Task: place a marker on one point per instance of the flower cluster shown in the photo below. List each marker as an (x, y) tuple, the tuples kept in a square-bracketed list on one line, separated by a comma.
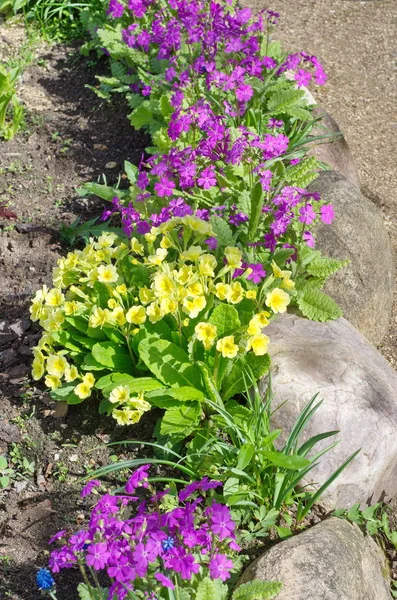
[(163, 541), (112, 295)]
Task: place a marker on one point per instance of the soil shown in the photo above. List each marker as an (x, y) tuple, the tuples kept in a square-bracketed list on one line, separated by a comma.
[(72, 136)]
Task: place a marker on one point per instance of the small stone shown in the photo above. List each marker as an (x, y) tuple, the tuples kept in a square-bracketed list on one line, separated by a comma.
[(100, 147), (61, 410), (20, 326), (74, 458), (111, 165)]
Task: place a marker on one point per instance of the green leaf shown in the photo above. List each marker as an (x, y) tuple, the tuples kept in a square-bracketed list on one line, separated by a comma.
[(180, 421), (282, 101), (222, 231), (169, 363), (237, 381), (97, 189), (182, 394), (211, 589), (317, 306), (257, 590), (112, 356), (131, 171), (3, 463), (324, 266), (245, 455), (141, 116), (257, 198), (62, 393), (286, 461), (226, 320)]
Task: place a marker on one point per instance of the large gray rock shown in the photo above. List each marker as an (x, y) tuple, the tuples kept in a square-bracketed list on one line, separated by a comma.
[(364, 289), (336, 153), (359, 389), (331, 561)]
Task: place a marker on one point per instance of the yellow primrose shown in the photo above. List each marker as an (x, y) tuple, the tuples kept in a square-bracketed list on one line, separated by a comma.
[(206, 265), (136, 315), (251, 294), (89, 379), (262, 318), (54, 297), (119, 394), (107, 274), (54, 322), (254, 327), (136, 246), (37, 369), (197, 225), (56, 365), (277, 300), (121, 289), (192, 254), (165, 242), (258, 344), (45, 340), (146, 295), (92, 275), (227, 347), (206, 333), (222, 290), (233, 256), (193, 307), (139, 403), (168, 305), (52, 382), (119, 316), (127, 416), (70, 308), (181, 293), (71, 373), (163, 284), (83, 390), (184, 275), (287, 283), (71, 260), (112, 303), (277, 272), (36, 311), (152, 235), (154, 312), (235, 293), (195, 289), (158, 257), (105, 240), (100, 317)]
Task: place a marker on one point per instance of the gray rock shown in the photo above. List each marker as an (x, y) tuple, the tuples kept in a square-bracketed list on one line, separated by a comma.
[(359, 389), (20, 326), (335, 153), (331, 561), (364, 289)]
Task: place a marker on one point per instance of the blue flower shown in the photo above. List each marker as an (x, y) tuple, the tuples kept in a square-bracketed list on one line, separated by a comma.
[(44, 579), (168, 544)]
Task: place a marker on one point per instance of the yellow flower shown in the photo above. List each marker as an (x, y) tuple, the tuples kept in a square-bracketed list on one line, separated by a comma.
[(107, 274), (70, 308), (45, 340), (277, 272), (151, 236), (185, 322), (52, 382), (262, 318), (136, 315), (251, 294), (54, 297), (100, 317), (154, 312), (192, 254), (165, 242), (277, 300), (194, 306), (287, 283), (235, 293), (222, 290), (258, 344), (254, 327), (227, 347), (146, 295), (121, 289), (158, 257), (181, 293), (184, 275), (71, 260), (206, 265), (112, 303), (137, 247), (71, 373), (36, 310), (54, 322), (37, 369), (127, 416), (162, 284), (206, 333), (195, 289), (83, 390), (119, 394), (139, 403), (89, 379), (233, 257), (56, 365), (119, 316), (197, 225), (105, 240), (168, 305)]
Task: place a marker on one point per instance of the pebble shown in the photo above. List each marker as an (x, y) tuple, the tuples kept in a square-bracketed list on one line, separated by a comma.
[(111, 165)]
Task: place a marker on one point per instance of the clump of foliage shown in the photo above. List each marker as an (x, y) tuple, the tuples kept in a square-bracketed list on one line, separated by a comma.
[(11, 111), (171, 546)]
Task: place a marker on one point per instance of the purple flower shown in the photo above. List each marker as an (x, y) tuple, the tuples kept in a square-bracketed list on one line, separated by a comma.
[(141, 474), (309, 239), (165, 581), (182, 563), (87, 489), (57, 536), (142, 180), (220, 566), (244, 92), (209, 484), (207, 178), (274, 123), (221, 522), (115, 9), (212, 243), (327, 214), (307, 214), (97, 555), (257, 274), (164, 187), (188, 490), (302, 77)]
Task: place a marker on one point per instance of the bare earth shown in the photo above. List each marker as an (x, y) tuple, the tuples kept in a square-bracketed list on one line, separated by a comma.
[(356, 42)]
